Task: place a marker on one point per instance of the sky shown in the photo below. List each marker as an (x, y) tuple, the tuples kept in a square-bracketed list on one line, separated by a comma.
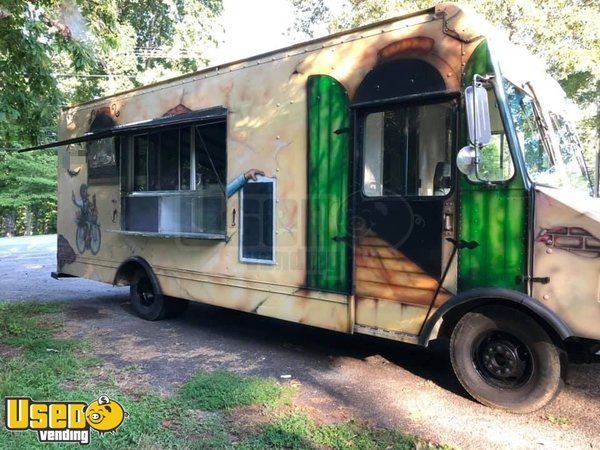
[(256, 26), (253, 26)]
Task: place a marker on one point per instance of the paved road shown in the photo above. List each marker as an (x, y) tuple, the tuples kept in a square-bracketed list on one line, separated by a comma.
[(340, 376), (25, 267)]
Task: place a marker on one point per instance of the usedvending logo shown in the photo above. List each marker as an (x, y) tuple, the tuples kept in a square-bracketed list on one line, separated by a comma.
[(63, 421)]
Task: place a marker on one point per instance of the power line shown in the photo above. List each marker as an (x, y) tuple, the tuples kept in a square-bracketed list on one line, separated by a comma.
[(76, 75)]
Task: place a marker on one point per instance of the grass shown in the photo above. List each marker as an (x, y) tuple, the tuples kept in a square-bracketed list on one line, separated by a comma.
[(225, 390), (561, 421), (212, 411), (297, 430)]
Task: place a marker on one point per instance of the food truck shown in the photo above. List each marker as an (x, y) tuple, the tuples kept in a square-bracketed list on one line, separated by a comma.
[(414, 179)]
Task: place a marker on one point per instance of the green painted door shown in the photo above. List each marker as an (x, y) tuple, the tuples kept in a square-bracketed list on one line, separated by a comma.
[(493, 216), (328, 176)]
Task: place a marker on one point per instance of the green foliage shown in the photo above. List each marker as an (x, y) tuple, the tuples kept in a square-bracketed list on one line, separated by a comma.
[(496, 162), (33, 37), (157, 26), (41, 362), (54, 52), (221, 389), (27, 192), (296, 430), (291, 431), (157, 40), (18, 320)]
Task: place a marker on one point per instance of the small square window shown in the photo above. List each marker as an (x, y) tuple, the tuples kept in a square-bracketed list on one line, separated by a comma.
[(102, 160), (257, 223)]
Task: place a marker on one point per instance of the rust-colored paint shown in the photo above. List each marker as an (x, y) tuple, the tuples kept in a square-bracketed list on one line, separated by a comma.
[(65, 253), (409, 47), (102, 118), (176, 110)]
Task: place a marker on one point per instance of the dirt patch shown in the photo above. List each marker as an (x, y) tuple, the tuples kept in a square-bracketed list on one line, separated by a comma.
[(8, 350), (133, 379), (83, 312), (324, 409), (249, 418)]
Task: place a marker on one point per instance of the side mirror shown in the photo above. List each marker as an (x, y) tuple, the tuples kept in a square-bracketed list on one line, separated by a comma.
[(478, 115), (466, 161)]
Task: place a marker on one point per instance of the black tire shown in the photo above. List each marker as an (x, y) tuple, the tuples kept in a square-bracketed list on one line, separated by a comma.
[(506, 360), (146, 301)]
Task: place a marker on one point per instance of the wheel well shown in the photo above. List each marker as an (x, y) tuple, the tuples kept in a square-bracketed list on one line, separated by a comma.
[(451, 318), (131, 270)]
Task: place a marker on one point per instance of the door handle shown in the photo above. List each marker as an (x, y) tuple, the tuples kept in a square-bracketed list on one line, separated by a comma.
[(346, 239), (448, 222)]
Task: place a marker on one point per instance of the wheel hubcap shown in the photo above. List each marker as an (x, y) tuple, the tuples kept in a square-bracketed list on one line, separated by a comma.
[(503, 360), (144, 289)]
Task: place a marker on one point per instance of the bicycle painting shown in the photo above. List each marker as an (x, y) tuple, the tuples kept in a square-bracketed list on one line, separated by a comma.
[(88, 234)]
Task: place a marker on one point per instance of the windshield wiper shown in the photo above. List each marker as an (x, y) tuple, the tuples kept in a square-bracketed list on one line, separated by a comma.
[(542, 125)]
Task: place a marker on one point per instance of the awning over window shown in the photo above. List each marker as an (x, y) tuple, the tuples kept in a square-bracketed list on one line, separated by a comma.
[(205, 115)]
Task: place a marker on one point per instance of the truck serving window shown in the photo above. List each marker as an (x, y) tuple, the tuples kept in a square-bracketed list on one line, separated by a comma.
[(172, 181), (407, 151)]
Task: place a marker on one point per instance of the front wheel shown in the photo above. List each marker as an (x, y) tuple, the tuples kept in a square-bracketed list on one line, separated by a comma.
[(506, 360)]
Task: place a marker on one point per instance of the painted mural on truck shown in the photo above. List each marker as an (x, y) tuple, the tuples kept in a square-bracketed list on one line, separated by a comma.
[(87, 235), (294, 126)]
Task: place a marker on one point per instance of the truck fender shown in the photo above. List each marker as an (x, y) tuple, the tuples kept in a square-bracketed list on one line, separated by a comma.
[(126, 272), (466, 301)]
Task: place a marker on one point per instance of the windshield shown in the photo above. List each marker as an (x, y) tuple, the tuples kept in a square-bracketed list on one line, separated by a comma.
[(570, 151), (551, 152)]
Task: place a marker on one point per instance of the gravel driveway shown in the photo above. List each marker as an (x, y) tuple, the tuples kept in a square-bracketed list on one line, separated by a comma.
[(340, 376)]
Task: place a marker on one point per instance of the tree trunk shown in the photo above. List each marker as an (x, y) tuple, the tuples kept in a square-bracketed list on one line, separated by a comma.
[(28, 222), (598, 139), (9, 221)]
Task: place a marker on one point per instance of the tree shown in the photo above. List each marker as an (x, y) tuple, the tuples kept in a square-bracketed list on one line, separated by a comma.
[(55, 52), (33, 35), (157, 40), (27, 192)]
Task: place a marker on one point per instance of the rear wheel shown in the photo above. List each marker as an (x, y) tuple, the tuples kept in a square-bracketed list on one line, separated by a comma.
[(506, 360), (95, 238), (146, 301)]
